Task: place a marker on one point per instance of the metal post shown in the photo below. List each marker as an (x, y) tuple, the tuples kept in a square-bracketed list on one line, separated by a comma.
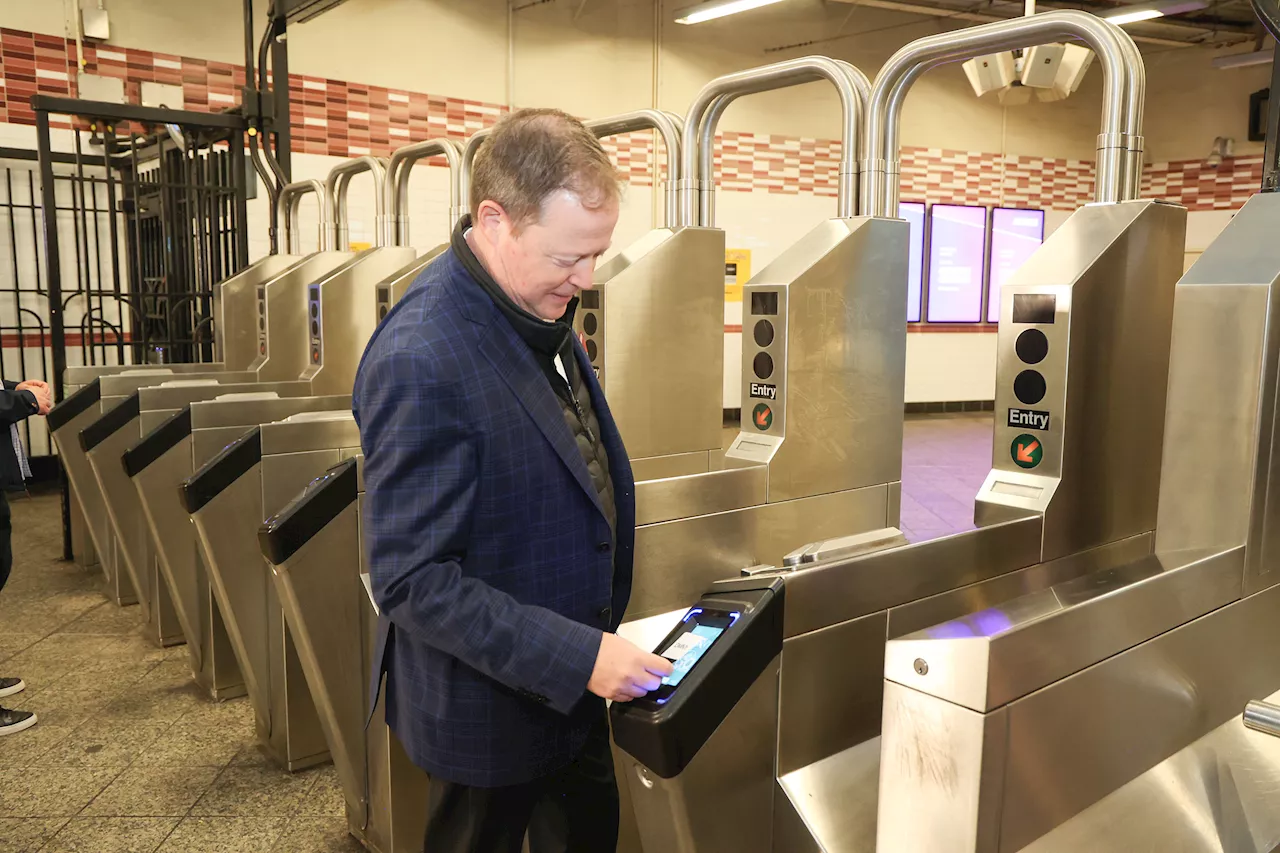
[(280, 99)]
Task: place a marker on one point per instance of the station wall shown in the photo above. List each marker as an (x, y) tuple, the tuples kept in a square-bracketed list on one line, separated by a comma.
[(374, 74)]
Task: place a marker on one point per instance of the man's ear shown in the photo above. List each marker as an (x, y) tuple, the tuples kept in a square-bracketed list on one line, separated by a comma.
[(490, 218)]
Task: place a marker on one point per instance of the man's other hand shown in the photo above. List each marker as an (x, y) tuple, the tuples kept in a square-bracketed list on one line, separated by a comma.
[(624, 672), (44, 397)]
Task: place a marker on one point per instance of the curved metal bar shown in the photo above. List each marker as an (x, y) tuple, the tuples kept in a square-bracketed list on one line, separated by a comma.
[(668, 127), (398, 171), (468, 164), (700, 123), (1124, 84), (337, 185), (288, 205)]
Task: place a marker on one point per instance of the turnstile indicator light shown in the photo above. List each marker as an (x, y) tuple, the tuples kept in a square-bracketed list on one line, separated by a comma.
[(763, 333), (763, 365), (590, 299), (762, 416), (592, 350), (1027, 451), (590, 324), (1032, 346), (764, 303), (1034, 307), (1029, 387)]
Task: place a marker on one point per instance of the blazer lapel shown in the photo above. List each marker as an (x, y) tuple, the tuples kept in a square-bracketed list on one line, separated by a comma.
[(515, 363)]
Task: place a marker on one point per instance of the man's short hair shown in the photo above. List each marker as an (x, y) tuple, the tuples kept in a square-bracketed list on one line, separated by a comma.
[(534, 153)]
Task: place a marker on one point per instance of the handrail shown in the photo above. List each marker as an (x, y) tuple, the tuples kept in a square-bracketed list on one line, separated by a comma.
[(338, 183), (288, 204), (1124, 83), (668, 127), (703, 116), (665, 123), (398, 171)]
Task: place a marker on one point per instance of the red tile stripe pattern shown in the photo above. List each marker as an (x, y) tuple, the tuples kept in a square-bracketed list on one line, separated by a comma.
[(344, 119)]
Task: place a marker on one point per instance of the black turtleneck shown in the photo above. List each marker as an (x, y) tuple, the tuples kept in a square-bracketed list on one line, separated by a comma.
[(546, 338)]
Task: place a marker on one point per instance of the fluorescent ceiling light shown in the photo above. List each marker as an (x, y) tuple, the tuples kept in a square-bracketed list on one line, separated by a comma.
[(1147, 11), (718, 9), (1243, 60)]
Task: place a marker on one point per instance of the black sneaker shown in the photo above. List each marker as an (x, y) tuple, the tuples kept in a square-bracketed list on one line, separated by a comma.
[(10, 686), (12, 722)]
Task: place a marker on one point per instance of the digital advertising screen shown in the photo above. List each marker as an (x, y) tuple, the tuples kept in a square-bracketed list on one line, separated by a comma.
[(1015, 235), (913, 212), (957, 258)]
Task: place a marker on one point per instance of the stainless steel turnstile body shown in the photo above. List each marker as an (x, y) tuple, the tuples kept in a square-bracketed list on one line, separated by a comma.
[(1101, 714), (227, 499), (153, 471), (317, 563), (800, 750)]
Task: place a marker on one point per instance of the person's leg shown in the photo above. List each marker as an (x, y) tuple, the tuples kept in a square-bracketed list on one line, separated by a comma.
[(579, 813), (465, 819), (10, 721), (6, 540)]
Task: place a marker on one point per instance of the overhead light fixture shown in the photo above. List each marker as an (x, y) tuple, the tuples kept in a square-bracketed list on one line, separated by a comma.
[(1147, 11), (718, 9), (1244, 60)]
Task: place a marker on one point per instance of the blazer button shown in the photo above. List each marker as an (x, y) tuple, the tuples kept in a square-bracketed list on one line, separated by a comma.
[(606, 615), (604, 547)]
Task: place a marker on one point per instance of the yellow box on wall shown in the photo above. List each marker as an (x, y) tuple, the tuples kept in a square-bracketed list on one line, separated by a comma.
[(737, 272)]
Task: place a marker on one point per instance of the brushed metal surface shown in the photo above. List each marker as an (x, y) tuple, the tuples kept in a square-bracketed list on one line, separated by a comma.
[(1000, 654), (676, 561), (1105, 726), (675, 465), (670, 813), (1112, 269), (834, 802), (935, 609), (322, 598), (235, 310), (831, 593), (830, 693), (700, 494), (667, 286), (346, 316), (283, 342), (1216, 795), (840, 358), (337, 430)]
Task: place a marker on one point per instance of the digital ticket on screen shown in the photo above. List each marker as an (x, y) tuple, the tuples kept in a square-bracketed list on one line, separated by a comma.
[(957, 259), (913, 212), (1015, 236)]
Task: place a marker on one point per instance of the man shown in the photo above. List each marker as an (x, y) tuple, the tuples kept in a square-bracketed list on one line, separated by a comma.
[(500, 509), (18, 401)]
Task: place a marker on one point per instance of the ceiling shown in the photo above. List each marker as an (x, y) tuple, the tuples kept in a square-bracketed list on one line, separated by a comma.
[(1224, 22)]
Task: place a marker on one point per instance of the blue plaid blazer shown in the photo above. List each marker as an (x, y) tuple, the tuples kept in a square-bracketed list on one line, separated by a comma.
[(490, 556)]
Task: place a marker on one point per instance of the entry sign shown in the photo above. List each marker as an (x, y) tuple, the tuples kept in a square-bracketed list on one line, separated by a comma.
[(762, 417), (1027, 451)]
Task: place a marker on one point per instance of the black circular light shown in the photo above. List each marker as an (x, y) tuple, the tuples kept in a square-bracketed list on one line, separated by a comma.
[(763, 365), (763, 333), (1029, 387), (592, 350), (1032, 346), (590, 324)]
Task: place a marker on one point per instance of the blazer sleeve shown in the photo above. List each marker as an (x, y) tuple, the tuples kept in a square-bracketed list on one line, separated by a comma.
[(16, 405), (421, 468)]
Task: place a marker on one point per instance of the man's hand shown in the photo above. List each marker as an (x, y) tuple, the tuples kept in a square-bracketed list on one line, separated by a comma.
[(624, 672), (44, 397)]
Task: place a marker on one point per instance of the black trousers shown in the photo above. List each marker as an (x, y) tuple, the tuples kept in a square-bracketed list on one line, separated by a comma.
[(574, 810), (6, 540)]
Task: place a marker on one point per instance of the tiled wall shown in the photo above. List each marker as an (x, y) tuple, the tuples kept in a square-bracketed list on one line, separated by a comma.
[(342, 118)]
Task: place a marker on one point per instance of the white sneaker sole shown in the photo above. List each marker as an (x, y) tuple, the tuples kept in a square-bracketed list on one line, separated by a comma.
[(17, 688), (18, 727)]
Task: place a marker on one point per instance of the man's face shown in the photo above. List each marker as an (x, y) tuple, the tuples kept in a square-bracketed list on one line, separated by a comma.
[(543, 265)]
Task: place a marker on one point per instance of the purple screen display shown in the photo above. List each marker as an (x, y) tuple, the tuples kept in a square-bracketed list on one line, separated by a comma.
[(1015, 235), (957, 256), (913, 212)]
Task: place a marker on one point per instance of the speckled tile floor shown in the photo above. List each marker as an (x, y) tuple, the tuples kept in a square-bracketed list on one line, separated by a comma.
[(128, 757)]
